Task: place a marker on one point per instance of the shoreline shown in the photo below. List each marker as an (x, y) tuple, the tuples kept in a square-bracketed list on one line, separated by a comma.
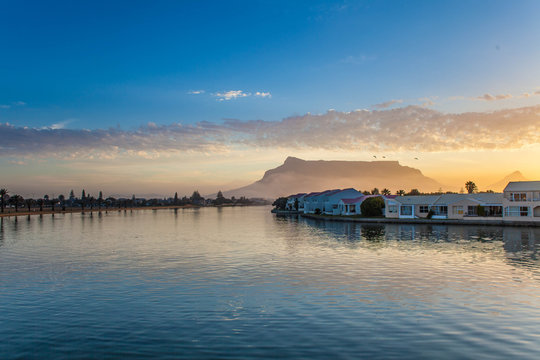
[(422, 221), (33, 212)]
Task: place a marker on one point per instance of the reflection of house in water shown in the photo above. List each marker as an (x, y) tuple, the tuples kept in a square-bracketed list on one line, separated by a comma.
[(521, 239)]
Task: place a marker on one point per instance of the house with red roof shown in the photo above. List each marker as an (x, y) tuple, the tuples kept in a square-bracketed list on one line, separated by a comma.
[(331, 200)]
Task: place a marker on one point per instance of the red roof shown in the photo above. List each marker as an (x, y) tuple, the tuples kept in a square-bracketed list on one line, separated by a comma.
[(363, 197), (353, 200)]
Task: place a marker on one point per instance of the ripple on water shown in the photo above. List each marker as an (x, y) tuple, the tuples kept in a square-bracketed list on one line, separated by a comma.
[(242, 283)]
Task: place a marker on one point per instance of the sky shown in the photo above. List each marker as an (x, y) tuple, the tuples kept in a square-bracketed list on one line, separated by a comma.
[(139, 97)]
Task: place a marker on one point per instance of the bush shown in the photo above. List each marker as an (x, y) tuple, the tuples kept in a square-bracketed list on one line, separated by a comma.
[(317, 211), (372, 206), (280, 203), (430, 214)]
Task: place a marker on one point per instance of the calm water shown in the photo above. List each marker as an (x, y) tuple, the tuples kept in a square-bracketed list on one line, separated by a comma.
[(243, 283)]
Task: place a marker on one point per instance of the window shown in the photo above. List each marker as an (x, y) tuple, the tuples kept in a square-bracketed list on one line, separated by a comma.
[(516, 211), (334, 206), (472, 210), (424, 209), (493, 210), (518, 196), (406, 210), (458, 210), (440, 210), (392, 209)]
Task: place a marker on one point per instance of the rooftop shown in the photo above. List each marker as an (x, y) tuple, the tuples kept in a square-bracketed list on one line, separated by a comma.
[(523, 186)]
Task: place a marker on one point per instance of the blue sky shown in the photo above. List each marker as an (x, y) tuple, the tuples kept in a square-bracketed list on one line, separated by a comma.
[(98, 64), (160, 66)]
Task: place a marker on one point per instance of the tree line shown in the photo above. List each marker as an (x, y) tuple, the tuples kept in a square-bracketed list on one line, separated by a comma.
[(89, 202)]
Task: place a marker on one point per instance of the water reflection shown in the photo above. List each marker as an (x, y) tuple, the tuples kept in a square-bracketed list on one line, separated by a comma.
[(234, 282), (521, 244)]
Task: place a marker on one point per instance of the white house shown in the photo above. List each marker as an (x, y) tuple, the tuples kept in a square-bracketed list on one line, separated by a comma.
[(311, 201), (293, 199), (487, 206), (521, 201), (353, 206)]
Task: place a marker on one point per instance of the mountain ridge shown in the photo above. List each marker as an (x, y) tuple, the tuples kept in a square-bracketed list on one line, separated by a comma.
[(297, 175)]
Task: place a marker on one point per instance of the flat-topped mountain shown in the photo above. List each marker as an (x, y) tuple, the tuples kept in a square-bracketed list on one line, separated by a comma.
[(297, 175)]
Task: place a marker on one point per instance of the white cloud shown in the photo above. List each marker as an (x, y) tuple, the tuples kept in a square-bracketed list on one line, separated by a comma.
[(426, 101), (231, 94), (263, 94), (489, 97), (196, 92), (411, 128), (19, 103), (17, 162), (387, 104), (3, 106)]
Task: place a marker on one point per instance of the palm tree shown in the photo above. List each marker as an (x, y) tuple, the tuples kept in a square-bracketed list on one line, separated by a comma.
[(375, 191), (471, 187), (3, 194), (62, 200), (40, 203), (385, 191), (29, 203), (400, 192), (16, 200), (100, 200), (52, 201)]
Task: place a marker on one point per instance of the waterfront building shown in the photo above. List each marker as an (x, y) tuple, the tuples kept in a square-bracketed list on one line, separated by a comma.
[(521, 201), (291, 202), (482, 206), (352, 206), (332, 199)]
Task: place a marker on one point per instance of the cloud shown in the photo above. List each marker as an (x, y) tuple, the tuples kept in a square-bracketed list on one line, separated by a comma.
[(489, 97), (196, 92), (411, 128), (387, 104), (59, 142), (426, 102), (15, 103), (454, 98), (356, 60), (231, 94), (17, 162), (263, 94)]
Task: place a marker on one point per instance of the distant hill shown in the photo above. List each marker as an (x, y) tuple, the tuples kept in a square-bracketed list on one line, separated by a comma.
[(297, 175), (501, 184)]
